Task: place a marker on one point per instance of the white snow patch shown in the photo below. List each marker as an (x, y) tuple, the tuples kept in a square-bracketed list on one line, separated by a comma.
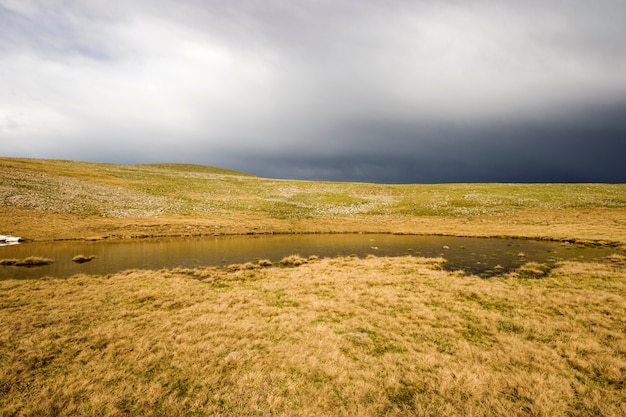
[(9, 240)]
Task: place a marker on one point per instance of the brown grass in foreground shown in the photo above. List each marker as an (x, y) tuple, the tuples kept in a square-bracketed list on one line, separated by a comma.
[(344, 336)]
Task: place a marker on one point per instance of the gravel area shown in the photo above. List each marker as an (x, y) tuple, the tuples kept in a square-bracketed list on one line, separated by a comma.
[(43, 192)]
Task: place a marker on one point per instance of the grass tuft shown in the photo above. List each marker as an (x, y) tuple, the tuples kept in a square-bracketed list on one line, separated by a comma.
[(265, 263), (293, 260), (617, 259), (82, 258), (533, 270), (27, 262), (242, 267)]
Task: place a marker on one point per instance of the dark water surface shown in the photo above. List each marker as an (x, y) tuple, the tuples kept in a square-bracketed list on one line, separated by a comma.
[(473, 255)]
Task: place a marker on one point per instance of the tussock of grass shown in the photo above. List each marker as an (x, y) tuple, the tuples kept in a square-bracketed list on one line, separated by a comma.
[(264, 263), (617, 259), (82, 258), (240, 267), (293, 260), (28, 262), (532, 270), (340, 336)]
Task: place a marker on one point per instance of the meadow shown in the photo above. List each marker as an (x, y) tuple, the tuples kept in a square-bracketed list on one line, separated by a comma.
[(50, 200), (330, 336)]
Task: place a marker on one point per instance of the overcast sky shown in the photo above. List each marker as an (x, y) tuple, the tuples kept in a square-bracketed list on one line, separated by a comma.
[(356, 90)]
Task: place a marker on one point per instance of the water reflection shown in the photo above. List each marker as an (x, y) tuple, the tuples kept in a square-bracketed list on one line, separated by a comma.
[(474, 255)]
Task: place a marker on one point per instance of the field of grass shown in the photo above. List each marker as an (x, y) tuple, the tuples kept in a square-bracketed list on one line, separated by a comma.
[(46, 200), (333, 336)]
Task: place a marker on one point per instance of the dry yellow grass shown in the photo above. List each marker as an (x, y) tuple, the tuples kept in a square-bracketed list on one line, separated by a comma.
[(343, 336)]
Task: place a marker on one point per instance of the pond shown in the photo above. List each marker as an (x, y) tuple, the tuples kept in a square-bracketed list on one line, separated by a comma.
[(473, 255)]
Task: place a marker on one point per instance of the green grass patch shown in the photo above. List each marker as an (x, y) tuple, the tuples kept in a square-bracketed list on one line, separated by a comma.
[(112, 190)]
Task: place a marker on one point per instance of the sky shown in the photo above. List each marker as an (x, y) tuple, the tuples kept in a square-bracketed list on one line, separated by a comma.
[(386, 91)]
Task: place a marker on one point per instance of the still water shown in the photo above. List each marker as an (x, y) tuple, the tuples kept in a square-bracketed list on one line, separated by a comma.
[(473, 255)]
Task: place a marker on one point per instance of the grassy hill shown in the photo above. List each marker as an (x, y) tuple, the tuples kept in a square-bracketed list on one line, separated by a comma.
[(46, 199)]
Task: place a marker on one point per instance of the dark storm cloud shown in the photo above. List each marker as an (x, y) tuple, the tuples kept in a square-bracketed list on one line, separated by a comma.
[(400, 91), (586, 145)]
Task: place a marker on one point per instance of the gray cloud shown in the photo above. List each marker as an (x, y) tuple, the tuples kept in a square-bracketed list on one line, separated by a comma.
[(587, 144), (360, 90)]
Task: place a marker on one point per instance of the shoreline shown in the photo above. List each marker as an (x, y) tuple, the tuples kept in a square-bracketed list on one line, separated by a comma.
[(601, 243), (600, 228)]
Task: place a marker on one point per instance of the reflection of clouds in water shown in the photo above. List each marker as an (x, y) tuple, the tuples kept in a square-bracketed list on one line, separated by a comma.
[(472, 255)]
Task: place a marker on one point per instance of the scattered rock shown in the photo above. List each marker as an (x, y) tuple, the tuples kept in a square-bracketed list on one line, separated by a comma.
[(234, 355)]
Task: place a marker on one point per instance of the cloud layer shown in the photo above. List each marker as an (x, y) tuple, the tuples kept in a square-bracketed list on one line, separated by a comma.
[(398, 91)]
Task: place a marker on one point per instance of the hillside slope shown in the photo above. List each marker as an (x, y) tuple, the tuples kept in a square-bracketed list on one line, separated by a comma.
[(46, 199)]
